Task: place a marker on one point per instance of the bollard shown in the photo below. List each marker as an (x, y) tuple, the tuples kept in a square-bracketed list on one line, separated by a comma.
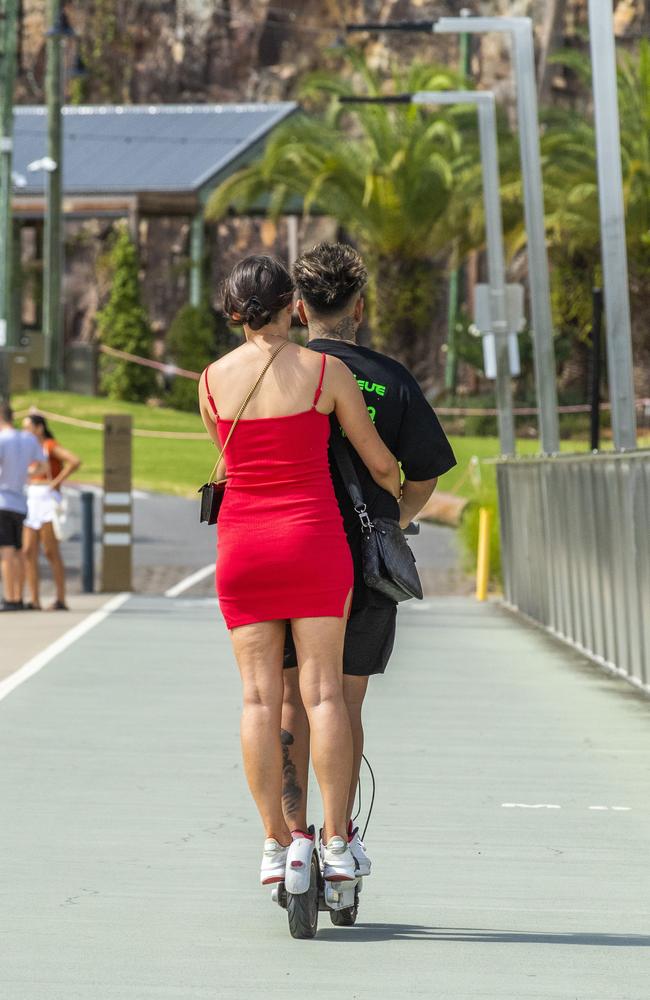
[(483, 560), (87, 542), (117, 512)]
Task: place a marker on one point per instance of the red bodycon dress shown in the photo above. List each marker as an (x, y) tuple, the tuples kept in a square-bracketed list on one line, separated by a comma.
[(282, 551)]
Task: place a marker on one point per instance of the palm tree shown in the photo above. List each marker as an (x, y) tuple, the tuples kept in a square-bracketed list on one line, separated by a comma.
[(388, 175)]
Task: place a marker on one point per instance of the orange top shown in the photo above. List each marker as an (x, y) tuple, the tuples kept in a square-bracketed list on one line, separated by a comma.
[(55, 465)]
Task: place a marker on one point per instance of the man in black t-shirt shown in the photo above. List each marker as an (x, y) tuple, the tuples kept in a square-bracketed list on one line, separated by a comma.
[(330, 280)]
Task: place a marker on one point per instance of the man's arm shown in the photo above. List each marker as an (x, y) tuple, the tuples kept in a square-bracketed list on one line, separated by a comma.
[(414, 497)]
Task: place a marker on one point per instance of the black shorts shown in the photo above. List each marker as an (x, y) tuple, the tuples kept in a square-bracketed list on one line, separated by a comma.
[(11, 529), (369, 640)]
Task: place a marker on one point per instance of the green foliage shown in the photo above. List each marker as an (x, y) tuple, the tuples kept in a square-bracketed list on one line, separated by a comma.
[(123, 325), (571, 190), (387, 173), (468, 533), (191, 344)]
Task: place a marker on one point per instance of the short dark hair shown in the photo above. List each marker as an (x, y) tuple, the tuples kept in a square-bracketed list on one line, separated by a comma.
[(6, 413), (256, 289), (329, 275)]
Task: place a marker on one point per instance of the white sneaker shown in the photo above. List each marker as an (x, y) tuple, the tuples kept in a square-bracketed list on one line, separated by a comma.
[(359, 853), (338, 863), (299, 855), (274, 862)]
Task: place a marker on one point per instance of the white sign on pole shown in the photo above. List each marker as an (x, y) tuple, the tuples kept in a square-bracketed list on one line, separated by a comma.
[(3, 332), (516, 319)]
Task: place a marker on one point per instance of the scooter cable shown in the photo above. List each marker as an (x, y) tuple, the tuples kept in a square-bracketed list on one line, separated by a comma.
[(372, 797)]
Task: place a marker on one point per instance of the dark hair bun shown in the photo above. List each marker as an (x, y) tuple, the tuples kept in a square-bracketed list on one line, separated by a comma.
[(257, 288), (254, 313)]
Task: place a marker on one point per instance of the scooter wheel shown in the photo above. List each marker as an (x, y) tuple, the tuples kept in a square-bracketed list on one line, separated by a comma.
[(347, 917), (302, 910)]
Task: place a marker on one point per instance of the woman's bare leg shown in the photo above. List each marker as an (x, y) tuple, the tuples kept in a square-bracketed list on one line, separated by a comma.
[(259, 651), (52, 552), (30, 564), (319, 645)]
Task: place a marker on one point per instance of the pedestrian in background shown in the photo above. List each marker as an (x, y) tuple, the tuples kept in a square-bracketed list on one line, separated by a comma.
[(43, 500), (19, 450)]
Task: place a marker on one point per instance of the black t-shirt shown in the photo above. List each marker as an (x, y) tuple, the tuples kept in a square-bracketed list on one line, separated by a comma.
[(407, 425)]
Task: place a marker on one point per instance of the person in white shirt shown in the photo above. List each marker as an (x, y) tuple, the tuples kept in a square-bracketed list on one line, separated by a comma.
[(19, 451)]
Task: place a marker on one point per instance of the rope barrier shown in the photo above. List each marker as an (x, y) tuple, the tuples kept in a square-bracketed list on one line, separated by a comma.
[(148, 363), (443, 411), (92, 426)]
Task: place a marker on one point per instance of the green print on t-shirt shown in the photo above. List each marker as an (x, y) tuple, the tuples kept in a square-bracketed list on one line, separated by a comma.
[(371, 386)]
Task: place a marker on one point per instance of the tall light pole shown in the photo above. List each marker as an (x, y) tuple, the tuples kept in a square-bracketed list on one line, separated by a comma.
[(485, 104), (612, 224), (487, 120), (521, 31), (58, 28), (8, 30)]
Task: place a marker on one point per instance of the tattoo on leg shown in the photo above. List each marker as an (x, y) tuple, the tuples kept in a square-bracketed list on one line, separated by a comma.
[(291, 790)]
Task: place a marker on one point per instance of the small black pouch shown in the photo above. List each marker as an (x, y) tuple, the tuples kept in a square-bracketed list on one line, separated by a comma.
[(212, 495)]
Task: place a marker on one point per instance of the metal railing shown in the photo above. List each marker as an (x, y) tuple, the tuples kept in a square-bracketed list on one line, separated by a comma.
[(575, 543)]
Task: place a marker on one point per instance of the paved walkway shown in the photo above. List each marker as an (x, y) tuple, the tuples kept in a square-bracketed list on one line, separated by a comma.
[(510, 835)]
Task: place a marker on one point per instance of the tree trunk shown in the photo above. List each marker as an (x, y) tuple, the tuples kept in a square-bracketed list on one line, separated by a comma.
[(404, 304)]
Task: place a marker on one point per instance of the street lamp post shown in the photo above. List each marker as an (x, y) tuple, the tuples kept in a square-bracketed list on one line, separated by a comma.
[(485, 104), (8, 29), (484, 101), (521, 31), (53, 248), (612, 225)]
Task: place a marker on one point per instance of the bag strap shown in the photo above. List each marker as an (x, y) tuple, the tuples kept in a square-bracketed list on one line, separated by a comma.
[(350, 479), (243, 406)]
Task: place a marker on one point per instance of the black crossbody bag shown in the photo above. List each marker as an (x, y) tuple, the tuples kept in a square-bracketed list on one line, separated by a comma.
[(388, 563)]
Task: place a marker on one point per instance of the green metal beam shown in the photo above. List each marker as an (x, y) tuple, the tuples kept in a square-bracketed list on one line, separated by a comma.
[(8, 33), (197, 258)]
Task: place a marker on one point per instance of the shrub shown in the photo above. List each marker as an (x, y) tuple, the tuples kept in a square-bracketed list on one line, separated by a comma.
[(123, 324), (468, 533), (192, 343)]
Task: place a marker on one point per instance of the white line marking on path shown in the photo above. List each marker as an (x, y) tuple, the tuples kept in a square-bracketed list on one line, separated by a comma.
[(41, 659), (548, 805), (526, 805), (189, 581)]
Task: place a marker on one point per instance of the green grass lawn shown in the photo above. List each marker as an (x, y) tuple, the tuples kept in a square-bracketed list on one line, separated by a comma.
[(180, 467), (162, 465)]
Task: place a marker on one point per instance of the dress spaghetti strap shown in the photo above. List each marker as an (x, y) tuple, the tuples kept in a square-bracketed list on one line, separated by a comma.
[(207, 389), (319, 388)]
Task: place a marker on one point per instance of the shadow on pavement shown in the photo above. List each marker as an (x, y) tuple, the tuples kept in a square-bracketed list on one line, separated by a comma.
[(417, 932)]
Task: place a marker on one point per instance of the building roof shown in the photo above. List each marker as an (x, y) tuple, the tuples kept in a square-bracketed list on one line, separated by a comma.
[(133, 149)]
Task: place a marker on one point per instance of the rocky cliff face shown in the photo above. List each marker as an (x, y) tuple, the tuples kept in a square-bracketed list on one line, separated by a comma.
[(140, 51), (182, 51)]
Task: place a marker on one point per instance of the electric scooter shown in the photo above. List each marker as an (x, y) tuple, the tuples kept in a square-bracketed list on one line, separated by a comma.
[(313, 894)]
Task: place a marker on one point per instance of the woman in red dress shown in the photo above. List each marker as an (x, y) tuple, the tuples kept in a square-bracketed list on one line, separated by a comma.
[(282, 551)]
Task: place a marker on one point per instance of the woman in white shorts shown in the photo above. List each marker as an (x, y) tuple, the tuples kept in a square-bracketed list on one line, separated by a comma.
[(43, 499)]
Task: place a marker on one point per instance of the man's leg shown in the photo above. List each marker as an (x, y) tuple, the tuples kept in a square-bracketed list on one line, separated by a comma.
[(10, 573), (354, 692), (295, 753)]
